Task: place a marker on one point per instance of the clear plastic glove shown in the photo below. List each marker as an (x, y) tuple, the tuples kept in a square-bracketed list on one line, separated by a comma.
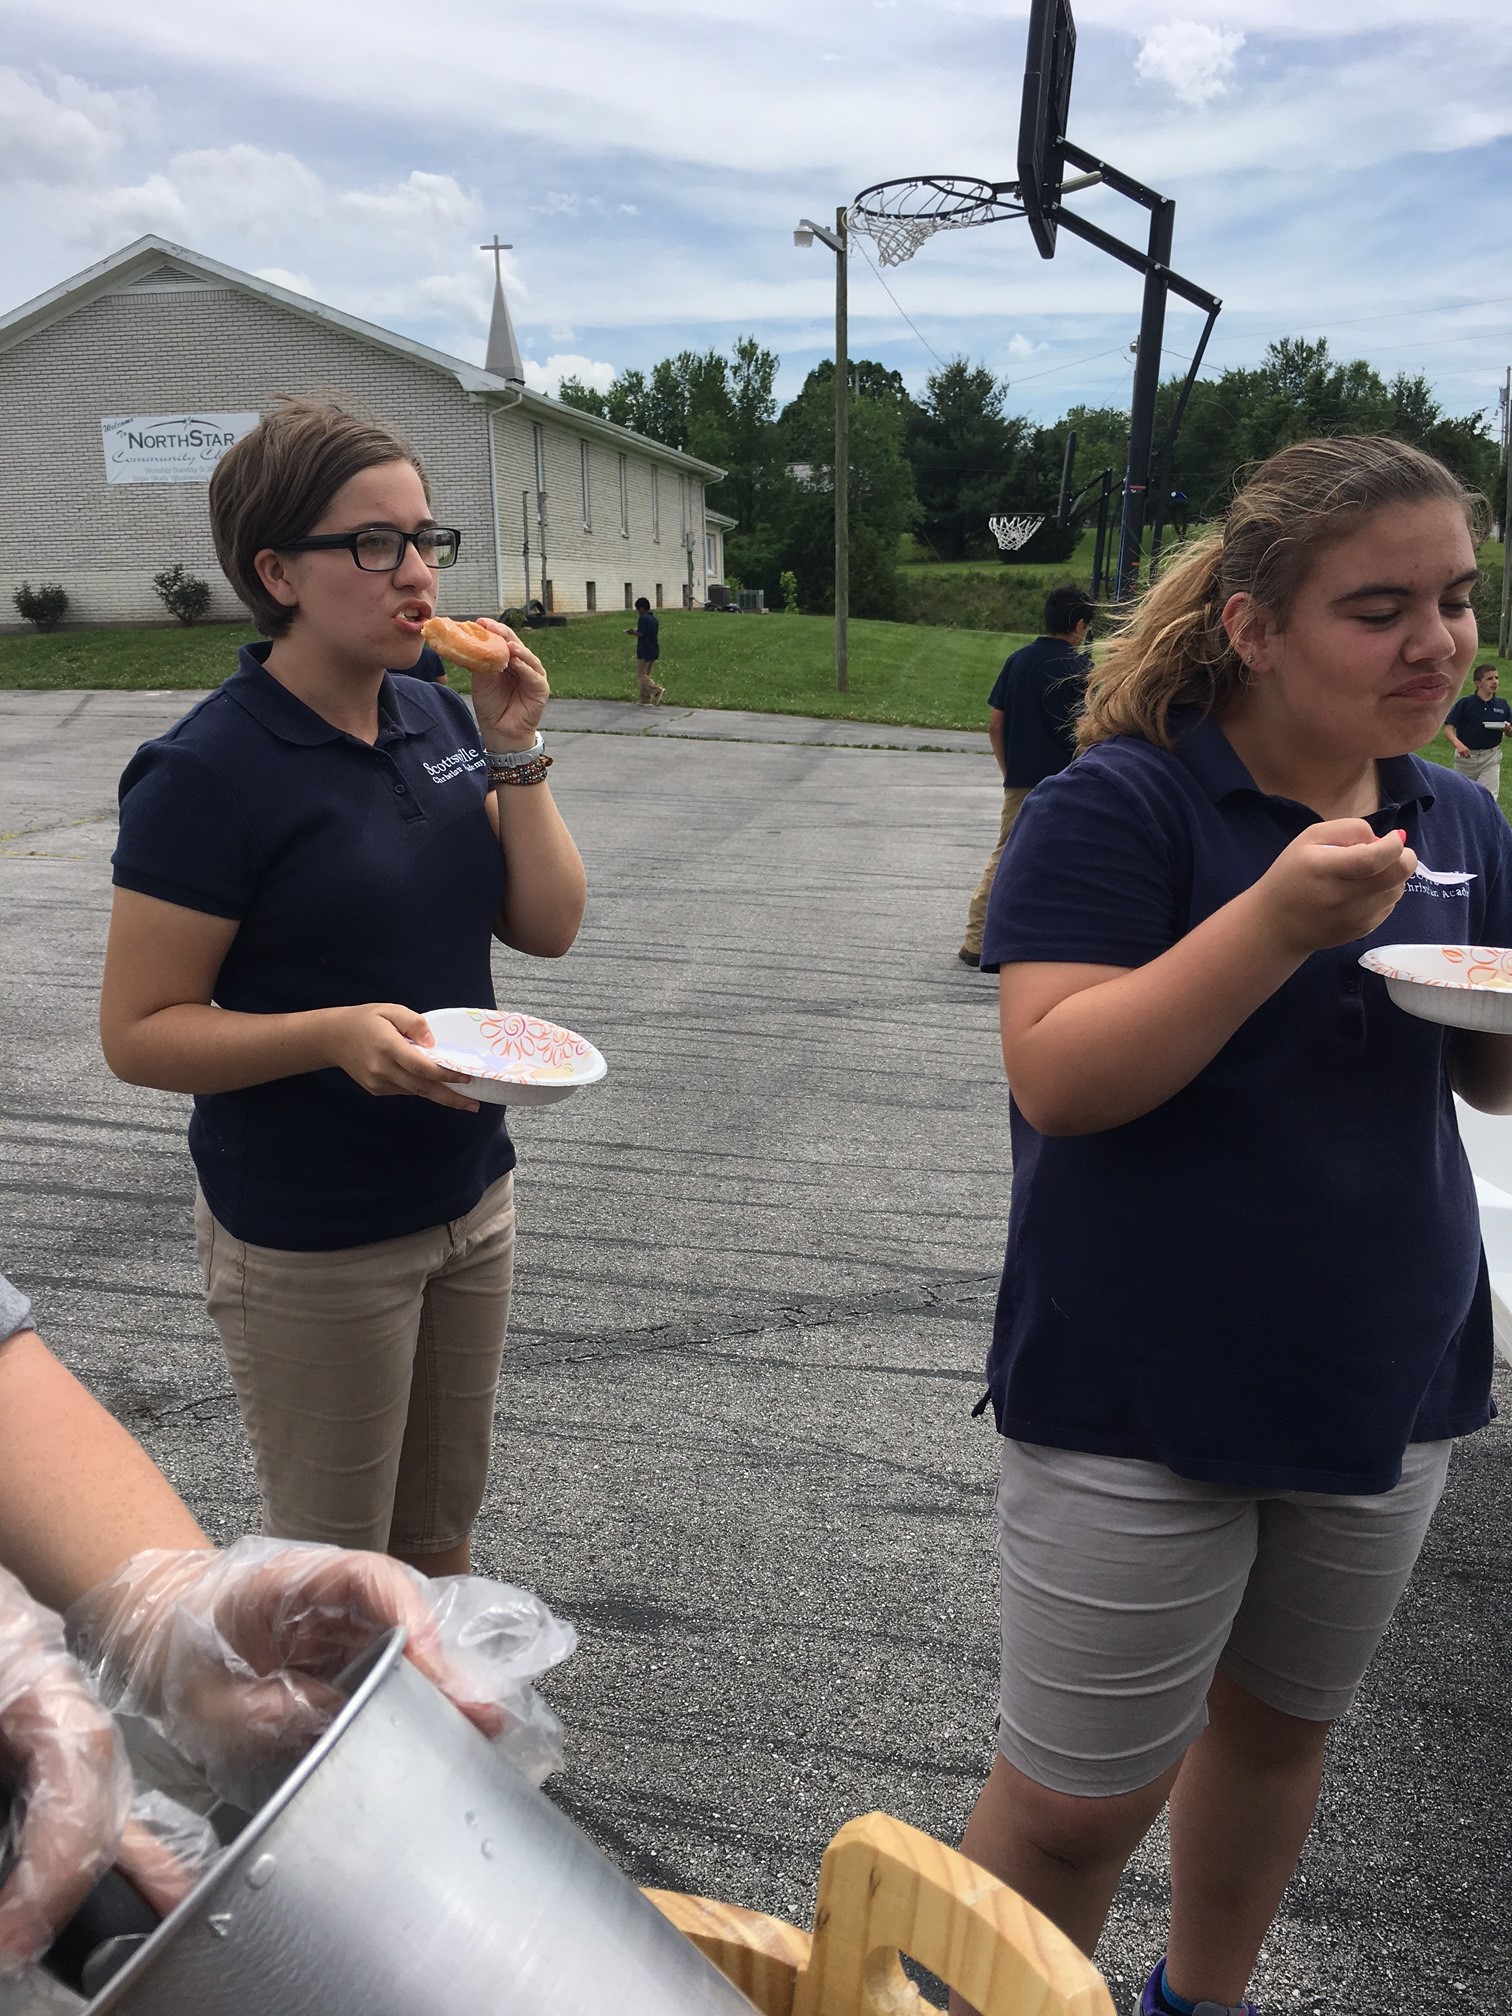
[(234, 1653), (65, 1767), (165, 1849)]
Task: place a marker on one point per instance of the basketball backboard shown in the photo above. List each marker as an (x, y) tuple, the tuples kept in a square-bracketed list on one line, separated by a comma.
[(1042, 123)]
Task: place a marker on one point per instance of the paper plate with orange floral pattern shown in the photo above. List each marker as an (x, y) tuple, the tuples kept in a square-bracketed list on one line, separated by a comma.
[(512, 1059), (1467, 986)]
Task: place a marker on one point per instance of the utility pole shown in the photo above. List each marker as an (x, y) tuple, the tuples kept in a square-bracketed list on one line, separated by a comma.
[(838, 242), (1504, 628), (842, 459)]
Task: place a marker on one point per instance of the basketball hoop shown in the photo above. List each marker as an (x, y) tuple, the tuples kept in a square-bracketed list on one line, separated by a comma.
[(1012, 533), (899, 216)]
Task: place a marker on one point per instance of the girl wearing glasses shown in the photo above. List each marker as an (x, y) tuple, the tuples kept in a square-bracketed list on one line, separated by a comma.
[(315, 849)]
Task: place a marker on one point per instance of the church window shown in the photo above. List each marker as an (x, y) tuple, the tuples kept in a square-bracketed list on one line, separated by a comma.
[(592, 597), (587, 489), (655, 504), (624, 480), (540, 455)]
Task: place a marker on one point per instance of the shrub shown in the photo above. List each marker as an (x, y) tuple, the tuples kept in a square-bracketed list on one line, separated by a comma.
[(978, 601), (789, 587), (1048, 545), (183, 593), (42, 606)]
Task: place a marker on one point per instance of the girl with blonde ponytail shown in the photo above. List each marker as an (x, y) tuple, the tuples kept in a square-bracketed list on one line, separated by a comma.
[(1244, 1309)]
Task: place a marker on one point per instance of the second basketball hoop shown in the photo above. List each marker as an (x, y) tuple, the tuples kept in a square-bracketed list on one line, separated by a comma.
[(1012, 533)]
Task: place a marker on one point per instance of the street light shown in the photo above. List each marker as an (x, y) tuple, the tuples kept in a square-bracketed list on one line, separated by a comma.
[(805, 235)]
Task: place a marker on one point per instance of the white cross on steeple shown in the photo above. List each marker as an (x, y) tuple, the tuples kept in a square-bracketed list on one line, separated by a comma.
[(496, 248)]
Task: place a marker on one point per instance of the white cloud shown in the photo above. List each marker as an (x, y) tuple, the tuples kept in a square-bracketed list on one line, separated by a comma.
[(1195, 59), (280, 276), (548, 377), (57, 129), (1020, 346)]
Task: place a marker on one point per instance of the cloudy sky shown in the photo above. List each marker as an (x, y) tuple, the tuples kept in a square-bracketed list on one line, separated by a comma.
[(1340, 167)]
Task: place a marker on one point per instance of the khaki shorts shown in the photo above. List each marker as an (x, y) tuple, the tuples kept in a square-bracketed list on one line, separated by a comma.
[(1124, 1588), (1482, 766), (366, 1376)]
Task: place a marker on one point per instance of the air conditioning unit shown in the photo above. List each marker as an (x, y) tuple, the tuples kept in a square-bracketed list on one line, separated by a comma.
[(753, 601)]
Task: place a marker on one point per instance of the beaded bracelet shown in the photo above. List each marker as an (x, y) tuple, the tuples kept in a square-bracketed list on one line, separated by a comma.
[(524, 773)]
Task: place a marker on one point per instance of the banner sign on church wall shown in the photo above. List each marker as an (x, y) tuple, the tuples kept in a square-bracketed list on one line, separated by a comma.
[(170, 447)]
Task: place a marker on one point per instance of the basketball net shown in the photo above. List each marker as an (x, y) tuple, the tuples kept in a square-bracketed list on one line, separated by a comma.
[(899, 216), (1012, 533), (898, 238)]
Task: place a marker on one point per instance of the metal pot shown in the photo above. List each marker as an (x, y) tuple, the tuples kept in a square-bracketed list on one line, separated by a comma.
[(406, 1868)]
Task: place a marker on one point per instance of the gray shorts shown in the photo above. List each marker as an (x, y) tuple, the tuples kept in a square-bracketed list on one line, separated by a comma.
[(1124, 1588)]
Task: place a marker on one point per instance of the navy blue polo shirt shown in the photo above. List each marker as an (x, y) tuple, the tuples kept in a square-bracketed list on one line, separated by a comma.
[(430, 666), (1039, 694), (1275, 1278), (647, 638), (1470, 717), (354, 872)]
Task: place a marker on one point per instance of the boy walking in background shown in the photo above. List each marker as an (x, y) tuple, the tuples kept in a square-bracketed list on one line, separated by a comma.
[(647, 635), (1031, 723), (1475, 728)]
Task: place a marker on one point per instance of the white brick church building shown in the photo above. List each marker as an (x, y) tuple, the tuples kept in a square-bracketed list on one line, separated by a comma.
[(119, 388)]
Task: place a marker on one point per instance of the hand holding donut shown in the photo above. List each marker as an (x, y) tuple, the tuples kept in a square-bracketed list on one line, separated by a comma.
[(509, 684)]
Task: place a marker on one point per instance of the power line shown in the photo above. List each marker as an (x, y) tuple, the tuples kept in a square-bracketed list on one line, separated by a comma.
[(901, 309), (1232, 335), (1051, 369)]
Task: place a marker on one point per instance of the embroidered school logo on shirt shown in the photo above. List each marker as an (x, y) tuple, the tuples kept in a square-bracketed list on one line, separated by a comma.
[(456, 765)]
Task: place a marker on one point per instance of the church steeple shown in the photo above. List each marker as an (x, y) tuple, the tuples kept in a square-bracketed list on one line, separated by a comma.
[(503, 357)]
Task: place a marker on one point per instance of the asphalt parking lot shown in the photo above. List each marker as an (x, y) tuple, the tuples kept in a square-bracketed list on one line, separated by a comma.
[(756, 1273)]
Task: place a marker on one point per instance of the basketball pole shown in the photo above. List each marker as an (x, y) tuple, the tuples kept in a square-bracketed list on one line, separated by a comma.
[(1145, 392)]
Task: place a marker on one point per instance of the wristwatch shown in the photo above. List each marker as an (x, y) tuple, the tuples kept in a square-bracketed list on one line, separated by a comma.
[(501, 761)]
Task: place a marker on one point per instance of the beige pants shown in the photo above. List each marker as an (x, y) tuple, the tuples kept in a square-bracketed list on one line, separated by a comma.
[(976, 916), (1481, 766), (366, 1376), (645, 679)]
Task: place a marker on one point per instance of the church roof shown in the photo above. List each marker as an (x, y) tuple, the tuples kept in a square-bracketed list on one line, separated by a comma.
[(157, 265)]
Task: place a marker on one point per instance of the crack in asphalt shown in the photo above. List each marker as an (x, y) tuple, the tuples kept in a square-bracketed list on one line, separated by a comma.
[(915, 1298)]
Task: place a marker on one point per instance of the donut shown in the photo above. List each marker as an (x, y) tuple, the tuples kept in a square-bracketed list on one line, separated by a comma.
[(469, 645)]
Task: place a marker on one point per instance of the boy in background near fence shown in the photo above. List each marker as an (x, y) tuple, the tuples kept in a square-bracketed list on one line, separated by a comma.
[(1031, 724)]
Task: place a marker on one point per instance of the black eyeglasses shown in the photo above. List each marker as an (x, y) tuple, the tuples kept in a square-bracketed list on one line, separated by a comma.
[(379, 549)]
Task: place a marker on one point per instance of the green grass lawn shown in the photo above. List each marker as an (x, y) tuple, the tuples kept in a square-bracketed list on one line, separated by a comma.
[(773, 664), (900, 673)]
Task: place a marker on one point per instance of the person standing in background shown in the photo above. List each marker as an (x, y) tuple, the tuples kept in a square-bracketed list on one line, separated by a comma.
[(1031, 724), (647, 635), (1475, 726)]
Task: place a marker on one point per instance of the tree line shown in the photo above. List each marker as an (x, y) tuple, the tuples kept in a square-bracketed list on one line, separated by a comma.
[(940, 465)]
